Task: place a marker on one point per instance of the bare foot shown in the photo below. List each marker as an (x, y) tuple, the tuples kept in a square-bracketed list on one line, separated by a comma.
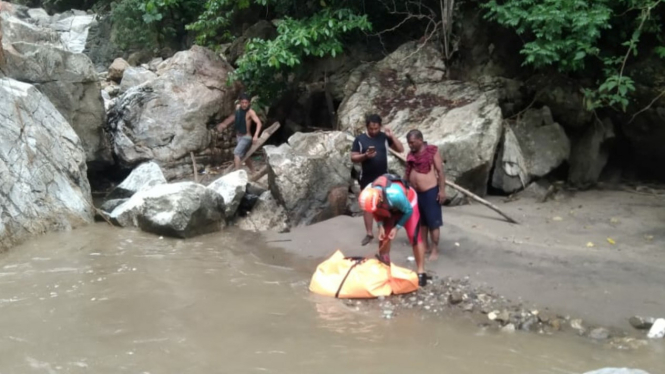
[(434, 255)]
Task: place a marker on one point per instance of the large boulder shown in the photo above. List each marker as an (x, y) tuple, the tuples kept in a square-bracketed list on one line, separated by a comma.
[(531, 148), (303, 172), (232, 187), (266, 215), (44, 185), (180, 210), (166, 118), (135, 76), (67, 78), (589, 154), (145, 176), (409, 90)]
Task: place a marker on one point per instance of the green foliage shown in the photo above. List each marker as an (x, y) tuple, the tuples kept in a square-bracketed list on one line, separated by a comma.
[(150, 23), (562, 32), (568, 34), (266, 64)]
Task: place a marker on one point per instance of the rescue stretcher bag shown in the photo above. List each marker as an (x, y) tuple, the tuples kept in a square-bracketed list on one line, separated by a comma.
[(361, 278)]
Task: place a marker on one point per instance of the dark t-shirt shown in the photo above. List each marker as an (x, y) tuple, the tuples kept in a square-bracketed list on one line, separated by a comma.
[(378, 165)]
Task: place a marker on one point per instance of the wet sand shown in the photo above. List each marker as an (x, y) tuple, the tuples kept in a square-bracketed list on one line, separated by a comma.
[(546, 261)]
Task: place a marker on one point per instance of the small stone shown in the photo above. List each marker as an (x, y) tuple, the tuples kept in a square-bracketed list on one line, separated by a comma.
[(599, 333), (556, 324), (508, 328), (657, 331), (577, 324), (381, 298), (641, 323), (504, 316), (455, 298), (493, 315), (468, 307)]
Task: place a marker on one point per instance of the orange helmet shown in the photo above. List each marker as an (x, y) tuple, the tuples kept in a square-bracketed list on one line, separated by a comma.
[(369, 199)]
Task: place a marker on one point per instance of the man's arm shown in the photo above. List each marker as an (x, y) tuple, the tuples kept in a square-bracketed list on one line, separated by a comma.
[(224, 124), (393, 141), (438, 166), (356, 156), (255, 118)]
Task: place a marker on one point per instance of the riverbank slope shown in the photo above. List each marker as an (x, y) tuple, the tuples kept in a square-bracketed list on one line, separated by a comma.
[(596, 255)]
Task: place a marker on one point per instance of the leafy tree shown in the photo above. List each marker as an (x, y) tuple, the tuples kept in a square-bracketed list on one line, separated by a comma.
[(266, 64), (569, 34)]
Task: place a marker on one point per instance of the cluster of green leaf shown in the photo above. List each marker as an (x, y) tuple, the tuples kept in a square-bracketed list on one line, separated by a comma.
[(266, 64), (152, 23), (572, 34)]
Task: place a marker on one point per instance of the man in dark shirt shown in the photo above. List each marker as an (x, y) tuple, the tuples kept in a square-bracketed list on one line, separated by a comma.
[(242, 119), (370, 150)]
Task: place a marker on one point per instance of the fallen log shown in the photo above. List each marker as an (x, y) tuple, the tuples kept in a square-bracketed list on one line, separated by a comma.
[(467, 193), (259, 174), (265, 135)]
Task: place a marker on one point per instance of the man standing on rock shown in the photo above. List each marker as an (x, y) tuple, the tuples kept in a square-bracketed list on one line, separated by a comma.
[(243, 118), (424, 172), (370, 150)]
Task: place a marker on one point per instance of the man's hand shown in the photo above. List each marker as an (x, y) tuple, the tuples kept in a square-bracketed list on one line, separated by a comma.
[(388, 132), (392, 234), (441, 198), (371, 153), (255, 139), (382, 233)]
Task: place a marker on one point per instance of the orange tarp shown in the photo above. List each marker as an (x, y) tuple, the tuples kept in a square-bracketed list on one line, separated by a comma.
[(366, 278)]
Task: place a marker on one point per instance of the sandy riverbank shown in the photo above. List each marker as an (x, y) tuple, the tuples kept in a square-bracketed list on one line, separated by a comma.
[(546, 261)]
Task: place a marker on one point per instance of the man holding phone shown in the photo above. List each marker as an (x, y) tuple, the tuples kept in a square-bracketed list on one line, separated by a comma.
[(370, 150)]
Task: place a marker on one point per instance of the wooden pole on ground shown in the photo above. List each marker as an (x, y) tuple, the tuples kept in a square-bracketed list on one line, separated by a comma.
[(265, 135), (196, 173), (259, 174), (467, 193)]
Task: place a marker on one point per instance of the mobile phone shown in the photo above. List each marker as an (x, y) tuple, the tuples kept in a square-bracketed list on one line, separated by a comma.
[(371, 148)]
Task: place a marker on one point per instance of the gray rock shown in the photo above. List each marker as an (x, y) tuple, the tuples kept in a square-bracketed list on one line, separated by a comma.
[(165, 119), (181, 210), (455, 298), (641, 323), (117, 69), (617, 371), (110, 205), (73, 29), (145, 176), (67, 78), (267, 215), (531, 148), (409, 90), (135, 76), (589, 154), (599, 333), (44, 185), (310, 175), (255, 188), (232, 188)]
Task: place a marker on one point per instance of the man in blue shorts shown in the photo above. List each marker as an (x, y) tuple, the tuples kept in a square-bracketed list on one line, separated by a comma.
[(242, 119)]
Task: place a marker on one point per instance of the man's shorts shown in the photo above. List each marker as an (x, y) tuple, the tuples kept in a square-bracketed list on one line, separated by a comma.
[(430, 209), (244, 143), (412, 225)]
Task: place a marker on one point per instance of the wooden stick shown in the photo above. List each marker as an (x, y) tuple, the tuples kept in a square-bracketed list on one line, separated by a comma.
[(467, 193), (262, 139), (259, 174), (196, 173)]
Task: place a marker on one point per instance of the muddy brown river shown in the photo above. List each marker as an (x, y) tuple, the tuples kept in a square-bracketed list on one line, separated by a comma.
[(104, 300)]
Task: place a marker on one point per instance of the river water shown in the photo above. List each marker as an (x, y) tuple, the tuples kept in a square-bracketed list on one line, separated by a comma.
[(106, 300)]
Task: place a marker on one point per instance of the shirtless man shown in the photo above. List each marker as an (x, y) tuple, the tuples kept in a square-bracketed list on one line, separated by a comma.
[(424, 172), (243, 118)]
